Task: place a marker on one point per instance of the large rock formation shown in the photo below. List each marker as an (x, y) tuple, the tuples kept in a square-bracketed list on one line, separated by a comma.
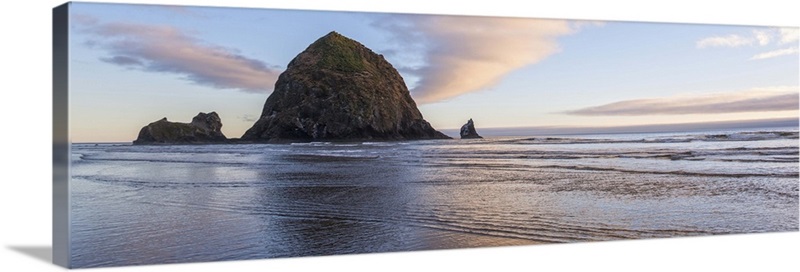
[(337, 89), (204, 128), (468, 131)]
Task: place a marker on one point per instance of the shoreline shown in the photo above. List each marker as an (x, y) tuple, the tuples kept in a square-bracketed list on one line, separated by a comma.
[(492, 133)]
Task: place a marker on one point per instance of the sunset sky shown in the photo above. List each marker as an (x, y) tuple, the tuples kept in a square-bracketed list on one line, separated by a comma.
[(134, 64)]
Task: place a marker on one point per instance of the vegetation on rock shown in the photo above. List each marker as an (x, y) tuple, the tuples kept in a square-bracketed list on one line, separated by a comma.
[(338, 89)]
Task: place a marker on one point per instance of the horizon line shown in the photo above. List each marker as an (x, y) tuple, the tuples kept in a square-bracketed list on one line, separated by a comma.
[(651, 128), (643, 128)]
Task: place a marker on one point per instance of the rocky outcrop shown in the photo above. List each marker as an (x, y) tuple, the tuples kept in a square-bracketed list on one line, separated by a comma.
[(338, 89), (204, 128), (468, 131)]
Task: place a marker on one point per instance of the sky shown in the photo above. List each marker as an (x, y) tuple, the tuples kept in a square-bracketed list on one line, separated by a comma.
[(134, 64)]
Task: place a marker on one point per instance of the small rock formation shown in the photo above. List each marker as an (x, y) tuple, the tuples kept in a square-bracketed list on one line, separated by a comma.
[(338, 89), (204, 128), (468, 131)]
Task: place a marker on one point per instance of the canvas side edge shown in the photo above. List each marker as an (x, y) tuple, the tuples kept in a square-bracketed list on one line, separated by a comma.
[(61, 144)]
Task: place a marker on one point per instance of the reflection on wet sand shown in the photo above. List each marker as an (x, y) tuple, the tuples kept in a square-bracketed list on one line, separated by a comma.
[(143, 204)]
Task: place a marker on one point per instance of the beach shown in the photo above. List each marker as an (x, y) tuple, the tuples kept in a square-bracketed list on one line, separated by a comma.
[(178, 203)]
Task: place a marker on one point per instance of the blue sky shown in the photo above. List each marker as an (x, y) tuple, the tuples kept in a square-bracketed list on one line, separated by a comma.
[(134, 64)]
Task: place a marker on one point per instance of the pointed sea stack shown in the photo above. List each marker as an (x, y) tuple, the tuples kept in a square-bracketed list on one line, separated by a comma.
[(468, 131), (204, 128), (339, 90)]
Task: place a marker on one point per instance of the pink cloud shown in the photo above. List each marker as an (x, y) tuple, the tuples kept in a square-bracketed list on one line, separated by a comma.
[(462, 54), (168, 49), (755, 100)]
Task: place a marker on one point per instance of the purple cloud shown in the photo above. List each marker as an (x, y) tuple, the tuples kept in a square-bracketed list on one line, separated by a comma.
[(170, 50), (757, 100), (123, 61)]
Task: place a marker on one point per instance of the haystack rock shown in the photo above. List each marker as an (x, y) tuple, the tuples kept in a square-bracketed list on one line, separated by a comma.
[(338, 89), (468, 131), (204, 128)]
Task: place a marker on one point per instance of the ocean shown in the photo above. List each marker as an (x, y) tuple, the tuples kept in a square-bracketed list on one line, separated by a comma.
[(185, 203)]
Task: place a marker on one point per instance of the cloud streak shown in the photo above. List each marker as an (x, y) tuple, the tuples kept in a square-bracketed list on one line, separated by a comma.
[(755, 100), (775, 53), (759, 37), (248, 118), (461, 54), (725, 41), (788, 35), (169, 50)]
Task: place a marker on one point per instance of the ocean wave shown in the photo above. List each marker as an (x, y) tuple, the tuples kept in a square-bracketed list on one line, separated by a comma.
[(162, 183), (677, 172), (329, 157), (778, 154), (736, 136), (311, 144), (379, 143)]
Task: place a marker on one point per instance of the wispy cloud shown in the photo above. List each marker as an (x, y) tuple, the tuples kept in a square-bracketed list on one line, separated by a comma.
[(169, 50), (755, 100), (759, 37), (732, 40), (775, 53), (789, 34), (248, 118), (764, 37), (181, 10), (123, 61), (461, 54)]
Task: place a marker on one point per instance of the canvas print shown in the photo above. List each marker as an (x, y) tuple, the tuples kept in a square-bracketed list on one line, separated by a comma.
[(212, 134)]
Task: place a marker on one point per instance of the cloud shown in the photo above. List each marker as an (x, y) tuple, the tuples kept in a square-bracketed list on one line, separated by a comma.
[(83, 19), (169, 50), (123, 61), (732, 40), (755, 100), (775, 53), (181, 10), (761, 37), (764, 37), (788, 35), (455, 55), (248, 118)]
